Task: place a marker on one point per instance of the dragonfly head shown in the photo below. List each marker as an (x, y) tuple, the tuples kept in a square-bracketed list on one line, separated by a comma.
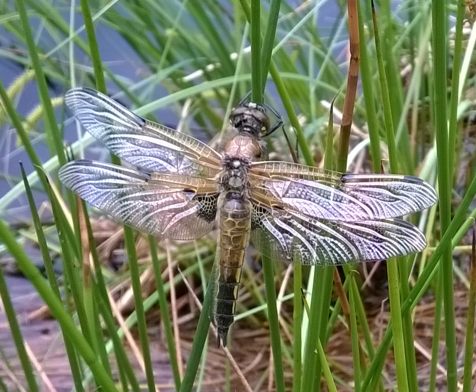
[(250, 118)]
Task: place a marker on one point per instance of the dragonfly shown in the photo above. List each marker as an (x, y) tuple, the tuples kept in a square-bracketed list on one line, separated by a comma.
[(181, 188)]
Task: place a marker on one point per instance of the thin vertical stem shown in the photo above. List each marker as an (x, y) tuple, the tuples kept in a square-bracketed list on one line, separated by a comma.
[(444, 183), (256, 91), (268, 40), (139, 305), (392, 267), (164, 311), (469, 345), (355, 340)]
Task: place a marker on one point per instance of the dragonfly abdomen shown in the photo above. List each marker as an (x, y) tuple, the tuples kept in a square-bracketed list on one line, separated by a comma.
[(235, 226)]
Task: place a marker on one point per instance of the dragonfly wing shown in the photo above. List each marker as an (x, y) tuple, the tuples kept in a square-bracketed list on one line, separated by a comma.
[(338, 197), (167, 206), (147, 145), (292, 237)]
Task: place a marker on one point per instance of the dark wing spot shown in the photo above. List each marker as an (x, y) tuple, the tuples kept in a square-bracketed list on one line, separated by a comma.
[(207, 207)]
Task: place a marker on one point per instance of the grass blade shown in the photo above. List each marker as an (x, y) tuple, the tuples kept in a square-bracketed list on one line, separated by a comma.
[(139, 307), (93, 47), (50, 273), (255, 23), (199, 340), (164, 311), (469, 344), (56, 308), (268, 40), (54, 135), (17, 335), (444, 182)]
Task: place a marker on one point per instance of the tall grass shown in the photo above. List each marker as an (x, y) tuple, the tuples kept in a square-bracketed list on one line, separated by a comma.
[(178, 64)]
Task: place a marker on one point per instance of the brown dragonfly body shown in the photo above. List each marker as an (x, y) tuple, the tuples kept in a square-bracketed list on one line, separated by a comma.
[(294, 213), (235, 209)]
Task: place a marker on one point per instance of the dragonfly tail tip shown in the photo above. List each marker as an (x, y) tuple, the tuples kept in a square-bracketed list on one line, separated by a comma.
[(222, 337)]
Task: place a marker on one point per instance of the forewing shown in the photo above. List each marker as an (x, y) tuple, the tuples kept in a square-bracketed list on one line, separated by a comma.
[(338, 197), (167, 206), (292, 237), (142, 143)]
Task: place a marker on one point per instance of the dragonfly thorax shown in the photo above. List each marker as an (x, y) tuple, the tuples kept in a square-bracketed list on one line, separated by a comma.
[(235, 174), (245, 148)]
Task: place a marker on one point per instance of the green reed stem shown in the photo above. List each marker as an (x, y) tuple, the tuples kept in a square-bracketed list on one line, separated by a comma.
[(94, 48), (469, 344), (198, 344), (139, 308), (288, 105), (255, 25), (268, 40), (169, 335), (369, 99), (444, 182), (297, 318), (455, 83), (268, 275), (71, 266), (355, 341), (392, 267), (435, 344)]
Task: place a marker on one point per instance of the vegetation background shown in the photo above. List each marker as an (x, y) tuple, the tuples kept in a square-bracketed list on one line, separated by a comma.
[(126, 306)]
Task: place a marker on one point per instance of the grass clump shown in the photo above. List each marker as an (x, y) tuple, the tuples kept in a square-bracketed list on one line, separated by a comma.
[(356, 92)]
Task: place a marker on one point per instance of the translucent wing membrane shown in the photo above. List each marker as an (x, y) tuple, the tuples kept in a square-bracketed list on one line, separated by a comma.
[(140, 142), (338, 197), (292, 237), (168, 206)]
